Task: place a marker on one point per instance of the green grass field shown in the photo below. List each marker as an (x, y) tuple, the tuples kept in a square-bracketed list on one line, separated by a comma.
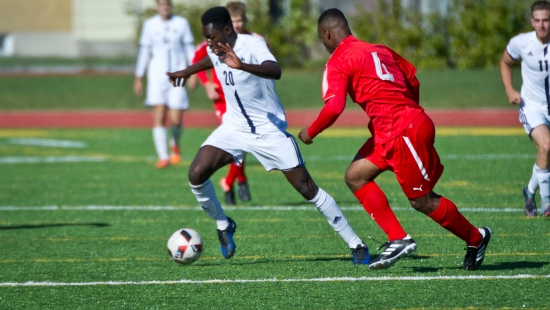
[(84, 220), (298, 89)]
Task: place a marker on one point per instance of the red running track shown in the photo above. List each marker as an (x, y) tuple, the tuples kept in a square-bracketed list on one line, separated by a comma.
[(295, 118)]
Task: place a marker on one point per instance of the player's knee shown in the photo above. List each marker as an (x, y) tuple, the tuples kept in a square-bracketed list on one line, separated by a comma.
[(197, 174)]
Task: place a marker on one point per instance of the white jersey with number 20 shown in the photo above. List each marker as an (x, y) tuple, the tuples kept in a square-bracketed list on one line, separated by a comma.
[(534, 68), (252, 103)]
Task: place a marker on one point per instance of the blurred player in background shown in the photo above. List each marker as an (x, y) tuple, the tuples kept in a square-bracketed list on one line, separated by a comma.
[(214, 92), (166, 44), (534, 100), (384, 84), (254, 122)]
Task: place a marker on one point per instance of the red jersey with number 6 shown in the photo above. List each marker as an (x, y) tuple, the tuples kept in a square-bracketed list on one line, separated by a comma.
[(382, 82)]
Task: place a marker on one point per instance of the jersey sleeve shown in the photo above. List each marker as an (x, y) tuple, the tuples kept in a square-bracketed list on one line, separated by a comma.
[(261, 52), (335, 80), (514, 48), (200, 53), (144, 53), (188, 42), (328, 115)]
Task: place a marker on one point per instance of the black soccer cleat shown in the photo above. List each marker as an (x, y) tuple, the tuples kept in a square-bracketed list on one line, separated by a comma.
[(474, 256), (225, 237), (530, 204), (244, 191), (360, 255), (230, 197), (393, 252)]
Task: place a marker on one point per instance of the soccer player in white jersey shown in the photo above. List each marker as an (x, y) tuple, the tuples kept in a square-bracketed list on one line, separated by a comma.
[(534, 99), (166, 44), (254, 123)]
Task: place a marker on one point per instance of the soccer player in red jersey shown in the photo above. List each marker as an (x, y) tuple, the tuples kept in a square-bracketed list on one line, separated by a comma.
[(385, 86), (214, 92)]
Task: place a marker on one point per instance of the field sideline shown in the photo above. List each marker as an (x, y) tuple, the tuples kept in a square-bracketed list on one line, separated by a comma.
[(198, 119)]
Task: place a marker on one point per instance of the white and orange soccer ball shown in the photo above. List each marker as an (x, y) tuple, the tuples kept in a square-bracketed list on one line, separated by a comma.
[(185, 246)]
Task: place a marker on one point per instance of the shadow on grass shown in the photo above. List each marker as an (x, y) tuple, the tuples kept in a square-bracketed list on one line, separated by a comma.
[(513, 265), (96, 225)]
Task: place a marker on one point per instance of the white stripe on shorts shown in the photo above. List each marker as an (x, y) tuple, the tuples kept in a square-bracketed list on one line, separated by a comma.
[(417, 159)]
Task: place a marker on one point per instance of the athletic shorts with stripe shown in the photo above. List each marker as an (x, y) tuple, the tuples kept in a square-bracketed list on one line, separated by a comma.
[(411, 155), (276, 150), (532, 115)]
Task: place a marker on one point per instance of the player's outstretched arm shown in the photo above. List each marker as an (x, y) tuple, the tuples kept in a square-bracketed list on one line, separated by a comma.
[(266, 70), (506, 63), (179, 78), (329, 114)]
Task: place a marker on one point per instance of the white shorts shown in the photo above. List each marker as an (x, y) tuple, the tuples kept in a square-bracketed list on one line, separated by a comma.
[(163, 93), (532, 116), (274, 151)]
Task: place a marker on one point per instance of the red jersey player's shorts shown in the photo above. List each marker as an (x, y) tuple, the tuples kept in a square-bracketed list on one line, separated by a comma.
[(411, 155)]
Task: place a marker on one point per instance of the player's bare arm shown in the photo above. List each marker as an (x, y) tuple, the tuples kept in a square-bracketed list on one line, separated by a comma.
[(179, 78), (506, 63), (266, 70)]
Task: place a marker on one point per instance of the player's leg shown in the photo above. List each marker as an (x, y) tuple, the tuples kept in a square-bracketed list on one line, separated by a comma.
[(236, 172), (530, 207), (280, 151), (418, 168), (541, 139), (207, 161), (177, 103), (176, 120), (301, 180), (360, 180), (220, 148), (160, 135)]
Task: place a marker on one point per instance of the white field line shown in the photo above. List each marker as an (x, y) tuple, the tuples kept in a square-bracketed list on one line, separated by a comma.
[(241, 208), (58, 159), (275, 280), (47, 142)]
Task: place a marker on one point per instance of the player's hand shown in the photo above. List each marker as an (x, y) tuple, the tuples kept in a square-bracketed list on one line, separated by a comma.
[(138, 87), (304, 136), (211, 91), (514, 97), (229, 57), (177, 79)]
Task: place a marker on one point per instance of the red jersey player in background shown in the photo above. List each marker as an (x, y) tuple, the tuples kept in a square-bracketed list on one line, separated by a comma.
[(214, 92), (384, 84)]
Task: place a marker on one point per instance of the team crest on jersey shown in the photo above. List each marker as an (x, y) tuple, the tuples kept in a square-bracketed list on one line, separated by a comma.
[(242, 59)]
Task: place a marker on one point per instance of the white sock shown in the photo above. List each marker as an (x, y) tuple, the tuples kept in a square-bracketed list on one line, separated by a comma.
[(543, 177), (176, 134), (328, 207), (533, 184), (206, 196), (159, 139)]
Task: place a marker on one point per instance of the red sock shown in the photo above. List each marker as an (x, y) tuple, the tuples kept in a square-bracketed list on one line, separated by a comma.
[(448, 216), (232, 174), (240, 173), (376, 204)]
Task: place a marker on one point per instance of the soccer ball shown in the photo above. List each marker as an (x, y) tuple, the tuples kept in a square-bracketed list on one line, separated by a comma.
[(185, 246)]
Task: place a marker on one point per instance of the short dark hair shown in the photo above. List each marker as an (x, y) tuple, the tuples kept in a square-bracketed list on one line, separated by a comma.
[(540, 5), (217, 16), (332, 15)]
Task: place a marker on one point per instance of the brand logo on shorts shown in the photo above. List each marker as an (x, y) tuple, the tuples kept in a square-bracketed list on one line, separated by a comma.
[(530, 54), (417, 188)]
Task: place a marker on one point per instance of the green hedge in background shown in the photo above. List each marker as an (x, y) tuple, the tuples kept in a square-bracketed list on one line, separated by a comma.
[(471, 34)]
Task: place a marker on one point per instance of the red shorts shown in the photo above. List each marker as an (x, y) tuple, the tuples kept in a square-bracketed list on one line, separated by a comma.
[(411, 155)]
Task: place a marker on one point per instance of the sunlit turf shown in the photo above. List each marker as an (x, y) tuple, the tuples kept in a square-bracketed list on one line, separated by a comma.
[(93, 222)]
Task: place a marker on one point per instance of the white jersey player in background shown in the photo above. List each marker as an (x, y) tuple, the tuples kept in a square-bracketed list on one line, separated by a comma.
[(166, 44), (254, 123), (534, 99)]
